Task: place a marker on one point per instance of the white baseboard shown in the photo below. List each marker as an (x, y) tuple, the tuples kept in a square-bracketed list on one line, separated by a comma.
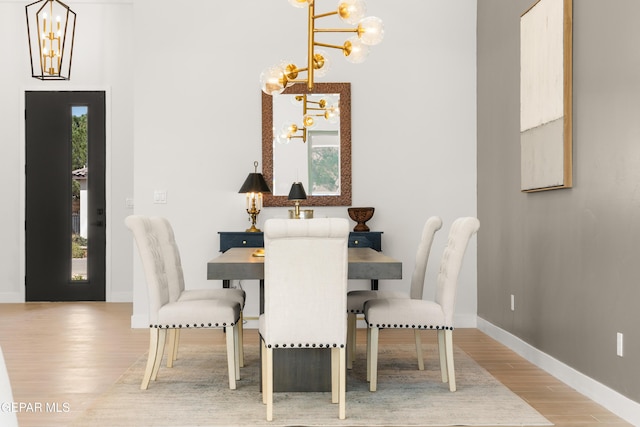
[(615, 402)]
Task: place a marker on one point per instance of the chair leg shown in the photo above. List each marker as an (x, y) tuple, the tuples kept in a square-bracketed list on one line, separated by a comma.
[(263, 371), (351, 339), (241, 340), (368, 354), (237, 345), (162, 339), (269, 385), (448, 339), (231, 357), (342, 399), (177, 343), (416, 333), (154, 340), (335, 375), (174, 337), (443, 356), (373, 358)]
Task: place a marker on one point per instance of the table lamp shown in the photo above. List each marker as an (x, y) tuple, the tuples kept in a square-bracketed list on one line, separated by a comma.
[(254, 186), (296, 194)]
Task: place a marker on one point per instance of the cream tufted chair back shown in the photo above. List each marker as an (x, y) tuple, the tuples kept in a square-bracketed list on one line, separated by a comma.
[(171, 253), (451, 263), (153, 263), (432, 225), (305, 273)]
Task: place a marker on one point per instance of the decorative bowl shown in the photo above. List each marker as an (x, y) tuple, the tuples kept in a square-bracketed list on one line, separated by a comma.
[(361, 216)]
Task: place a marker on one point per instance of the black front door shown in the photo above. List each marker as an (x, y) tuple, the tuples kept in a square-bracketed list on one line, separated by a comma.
[(65, 196)]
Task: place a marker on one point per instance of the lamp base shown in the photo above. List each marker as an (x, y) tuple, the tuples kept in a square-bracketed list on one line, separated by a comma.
[(253, 229), (304, 214)]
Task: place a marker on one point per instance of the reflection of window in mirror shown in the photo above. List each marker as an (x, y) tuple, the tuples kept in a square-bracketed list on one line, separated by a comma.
[(324, 162)]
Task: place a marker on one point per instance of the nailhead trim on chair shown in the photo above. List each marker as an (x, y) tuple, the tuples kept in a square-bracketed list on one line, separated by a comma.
[(356, 311), (382, 326), (305, 345), (202, 325)]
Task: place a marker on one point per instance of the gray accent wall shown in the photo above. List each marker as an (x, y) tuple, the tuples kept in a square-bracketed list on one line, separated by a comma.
[(570, 257)]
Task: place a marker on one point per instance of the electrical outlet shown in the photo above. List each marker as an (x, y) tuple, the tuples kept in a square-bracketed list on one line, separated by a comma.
[(513, 302), (620, 344)]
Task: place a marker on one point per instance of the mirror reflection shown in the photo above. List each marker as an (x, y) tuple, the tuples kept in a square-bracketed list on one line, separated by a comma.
[(307, 138)]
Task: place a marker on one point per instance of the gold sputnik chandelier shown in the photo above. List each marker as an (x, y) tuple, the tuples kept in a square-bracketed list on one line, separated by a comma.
[(51, 28), (311, 110), (369, 31)]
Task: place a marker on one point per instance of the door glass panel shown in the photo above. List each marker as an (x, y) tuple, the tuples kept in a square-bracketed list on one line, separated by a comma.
[(79, 193)]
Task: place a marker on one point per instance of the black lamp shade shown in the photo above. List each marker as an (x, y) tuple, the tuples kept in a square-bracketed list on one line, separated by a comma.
[(255, 183), (297, 192)]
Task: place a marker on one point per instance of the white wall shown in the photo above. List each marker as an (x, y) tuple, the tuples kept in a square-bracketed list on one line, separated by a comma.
[(188, 72), (102, 60), (197, 124)]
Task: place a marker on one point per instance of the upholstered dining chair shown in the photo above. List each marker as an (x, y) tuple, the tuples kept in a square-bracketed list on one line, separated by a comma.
[(177, 291), (8, 417), (420, 314), (305, 274), (356, 299), (165, 314)]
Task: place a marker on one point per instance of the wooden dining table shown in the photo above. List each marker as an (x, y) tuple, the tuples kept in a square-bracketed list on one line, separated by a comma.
[(294, 369), (241, 264)]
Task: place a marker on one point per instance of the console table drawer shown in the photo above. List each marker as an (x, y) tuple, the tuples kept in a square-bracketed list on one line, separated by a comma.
[(366, 239), (359, 242), (240, 239)]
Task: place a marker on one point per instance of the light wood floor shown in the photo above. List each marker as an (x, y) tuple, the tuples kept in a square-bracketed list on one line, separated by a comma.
[(65, 355)]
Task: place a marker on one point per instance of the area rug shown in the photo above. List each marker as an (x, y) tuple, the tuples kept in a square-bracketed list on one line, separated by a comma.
[(195, 393)]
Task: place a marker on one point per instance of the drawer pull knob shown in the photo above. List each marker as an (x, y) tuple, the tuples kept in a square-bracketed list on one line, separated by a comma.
[(244, 242), (356, 242)]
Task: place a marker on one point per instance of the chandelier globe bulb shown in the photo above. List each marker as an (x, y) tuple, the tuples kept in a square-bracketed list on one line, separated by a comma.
[(299, 3), (273, 81), (309, 122), (284, 134), (371, 30), (321, 63), (352, 11), (332, 115), (355, 50)]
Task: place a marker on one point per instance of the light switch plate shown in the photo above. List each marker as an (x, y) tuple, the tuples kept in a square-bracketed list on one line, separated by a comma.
[(160, 196)]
